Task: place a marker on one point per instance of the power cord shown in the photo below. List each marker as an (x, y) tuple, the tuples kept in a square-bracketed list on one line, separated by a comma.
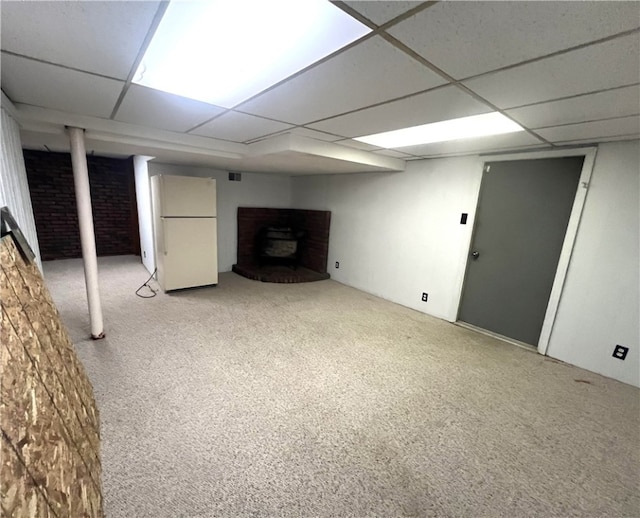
[(146, 283)]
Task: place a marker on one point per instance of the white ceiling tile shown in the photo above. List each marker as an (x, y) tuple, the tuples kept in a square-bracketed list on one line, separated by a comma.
[(480, 145), (100, 37), (239, 127), (156, 109), (366, 74), (602, 105), (31, 82), (469, 38), (596, 67), (592, 130), (442, 104), (381, 12)]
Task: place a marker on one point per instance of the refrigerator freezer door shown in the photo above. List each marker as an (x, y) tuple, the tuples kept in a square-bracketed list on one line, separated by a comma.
[(189, 253), (187, 196)]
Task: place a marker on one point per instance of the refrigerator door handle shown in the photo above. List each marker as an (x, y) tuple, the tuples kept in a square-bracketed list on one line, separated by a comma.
[(164, 236)]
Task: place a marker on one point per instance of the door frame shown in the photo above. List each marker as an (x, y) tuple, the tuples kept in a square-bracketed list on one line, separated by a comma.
[(589, 154)]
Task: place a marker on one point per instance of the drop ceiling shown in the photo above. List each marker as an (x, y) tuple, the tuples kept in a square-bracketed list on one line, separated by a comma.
[(569, 72)]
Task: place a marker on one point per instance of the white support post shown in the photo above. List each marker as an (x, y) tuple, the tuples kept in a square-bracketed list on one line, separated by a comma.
[(87, 235)]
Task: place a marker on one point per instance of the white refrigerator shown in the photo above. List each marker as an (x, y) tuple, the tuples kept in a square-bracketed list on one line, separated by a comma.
[(185, 231)]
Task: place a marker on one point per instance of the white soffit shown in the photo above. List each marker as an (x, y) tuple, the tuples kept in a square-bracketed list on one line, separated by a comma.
[(596, 130), (162, 154), (601, 105), (442, 104), (296, 163), (394, 153), (239, 127), (358, 145), (305, 132), (124, 133), (100, 37), (381, 12), (39, 84), (481, 144), (109, 136), (363, 75), (596, 67), (487, 153), (156, 109), (34, 140), (288, 154), (620, 138), (457, 36), (318, 135), (285, 154), (292, 143)]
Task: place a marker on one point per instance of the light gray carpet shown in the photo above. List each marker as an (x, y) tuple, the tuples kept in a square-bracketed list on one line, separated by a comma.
[(255, 399)]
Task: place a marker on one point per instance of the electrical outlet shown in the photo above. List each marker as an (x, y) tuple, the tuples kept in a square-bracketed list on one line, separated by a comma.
[(144, 254), (337, 264), (463, 218), (425, 296), (620, 352)]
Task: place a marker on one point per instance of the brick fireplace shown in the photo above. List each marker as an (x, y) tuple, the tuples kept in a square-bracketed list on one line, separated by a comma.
[(313, 246)]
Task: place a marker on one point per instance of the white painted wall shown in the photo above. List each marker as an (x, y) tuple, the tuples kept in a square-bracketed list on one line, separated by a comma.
[(600, 306), (254, 190), (397, 235), (14, 187), (145, 221)]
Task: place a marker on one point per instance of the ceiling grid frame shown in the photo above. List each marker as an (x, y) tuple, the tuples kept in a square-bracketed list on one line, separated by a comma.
[(147, 40), (623, 114)]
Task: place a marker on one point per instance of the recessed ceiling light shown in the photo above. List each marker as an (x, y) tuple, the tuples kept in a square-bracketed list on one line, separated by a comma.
[(466, 127), (223, 51)]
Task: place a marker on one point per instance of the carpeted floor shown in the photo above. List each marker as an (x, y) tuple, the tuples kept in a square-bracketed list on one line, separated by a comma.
[(255, 399)]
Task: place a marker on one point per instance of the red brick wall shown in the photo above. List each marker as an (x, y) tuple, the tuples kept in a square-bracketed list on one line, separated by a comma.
[(315, 223), (112, 187), (315, 250)]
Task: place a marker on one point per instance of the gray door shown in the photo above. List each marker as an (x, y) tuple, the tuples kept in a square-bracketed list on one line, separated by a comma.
[(520, 226)]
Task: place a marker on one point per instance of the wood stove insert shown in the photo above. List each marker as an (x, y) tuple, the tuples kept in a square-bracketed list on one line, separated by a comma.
[(279, 245)]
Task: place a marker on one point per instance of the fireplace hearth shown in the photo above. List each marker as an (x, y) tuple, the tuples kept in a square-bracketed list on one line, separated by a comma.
[(283, 245)]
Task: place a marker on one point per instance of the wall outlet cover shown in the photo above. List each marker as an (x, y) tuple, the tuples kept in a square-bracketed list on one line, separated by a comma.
[(425, 297), (337, 264), (620, 352)]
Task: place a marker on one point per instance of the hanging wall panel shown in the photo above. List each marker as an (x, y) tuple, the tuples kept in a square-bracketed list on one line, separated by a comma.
[(48, 416)]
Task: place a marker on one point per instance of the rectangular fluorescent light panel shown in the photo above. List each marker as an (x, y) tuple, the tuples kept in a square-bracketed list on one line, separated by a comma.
[(454, 129), (222, 51)]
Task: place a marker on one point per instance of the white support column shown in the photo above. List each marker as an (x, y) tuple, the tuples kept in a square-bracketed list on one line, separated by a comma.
[(87, 236)]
